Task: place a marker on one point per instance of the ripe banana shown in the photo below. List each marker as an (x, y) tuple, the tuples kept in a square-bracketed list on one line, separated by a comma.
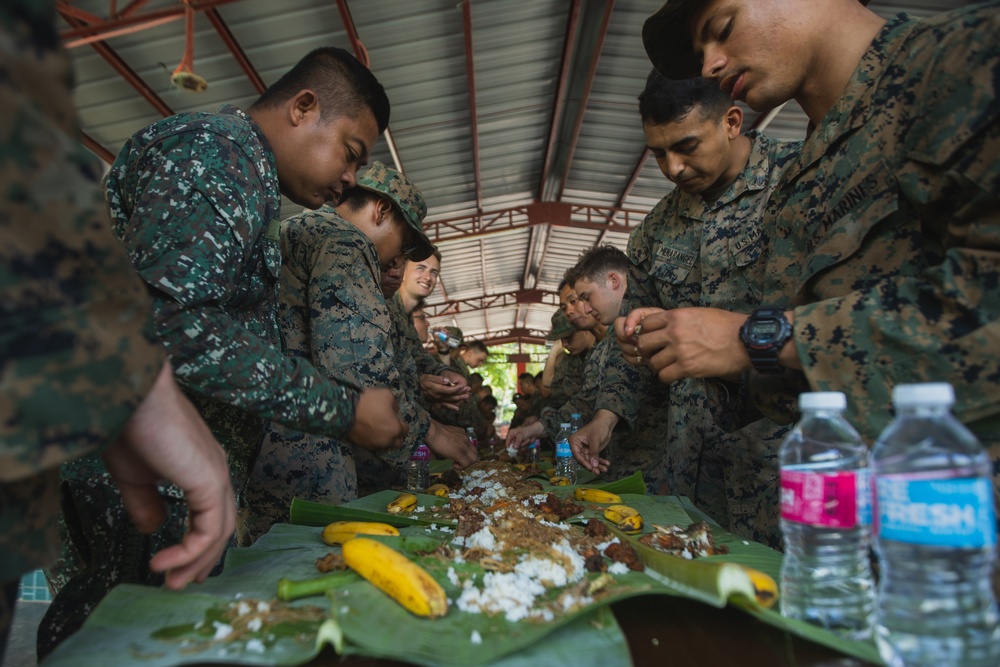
[(404, 502), (339, 532), (397, 576), (596, 496), (764, 588), (559, 481), (438, 490), (625, 518)]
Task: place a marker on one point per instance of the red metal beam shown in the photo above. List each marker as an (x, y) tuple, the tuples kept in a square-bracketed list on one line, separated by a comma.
[(557, 109), (234, 48), (627, 190), (556, 214), (85, 32), (592, 72), (503, 300), (131, 7), (120, 66), (470, 75), (97, 148), (361, 53)]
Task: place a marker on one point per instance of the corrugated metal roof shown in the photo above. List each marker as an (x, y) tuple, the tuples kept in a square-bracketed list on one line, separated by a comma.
[(555, 118)]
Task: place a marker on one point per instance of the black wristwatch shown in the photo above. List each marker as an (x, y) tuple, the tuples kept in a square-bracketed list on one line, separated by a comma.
[(764, 334)]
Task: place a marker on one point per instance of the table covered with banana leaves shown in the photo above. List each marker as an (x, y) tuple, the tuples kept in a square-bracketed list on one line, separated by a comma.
[(469, 575)]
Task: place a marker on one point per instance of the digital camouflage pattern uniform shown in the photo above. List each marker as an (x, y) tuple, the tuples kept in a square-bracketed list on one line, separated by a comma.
[(567, 379), (334, 315), (693, 252), (194, 199), (405, 339), (628, 451), (77, 347), (887, 229)]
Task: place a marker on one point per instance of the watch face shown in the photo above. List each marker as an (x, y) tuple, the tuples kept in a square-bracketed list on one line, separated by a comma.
[(763, 332)]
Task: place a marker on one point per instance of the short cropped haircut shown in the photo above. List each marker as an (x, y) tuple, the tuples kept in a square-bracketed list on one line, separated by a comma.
[(345, 87), (526, 376), (665, 100), (597, 262), (562, 283), (489, 400), (478, 345), (357, 198)]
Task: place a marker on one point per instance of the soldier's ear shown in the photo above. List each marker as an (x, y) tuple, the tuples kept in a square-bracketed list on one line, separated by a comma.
[(733, 120), (302, 107)]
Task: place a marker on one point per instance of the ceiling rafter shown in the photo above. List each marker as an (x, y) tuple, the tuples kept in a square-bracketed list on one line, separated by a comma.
[(361, 53), (215, 18), (88, 31), (556, 214), (511, 299), (627, 190), (119, 65), (97, 148), (470, 76), (560, 101)]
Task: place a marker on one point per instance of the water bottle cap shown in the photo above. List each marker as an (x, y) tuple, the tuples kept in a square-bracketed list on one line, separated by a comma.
[(563, 425), (575, 415), (822, 400), (925, 393)]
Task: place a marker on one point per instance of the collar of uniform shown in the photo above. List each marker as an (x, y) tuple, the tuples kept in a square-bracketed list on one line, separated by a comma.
[(854, 108), (269, 169), (753, 177)]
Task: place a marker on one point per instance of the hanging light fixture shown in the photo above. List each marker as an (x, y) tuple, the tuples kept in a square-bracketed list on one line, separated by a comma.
[(183, 76)]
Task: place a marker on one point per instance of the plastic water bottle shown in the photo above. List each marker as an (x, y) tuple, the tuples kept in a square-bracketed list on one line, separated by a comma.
[(565, 463), (936, 536), (470, 433), (575, 422), (418, 469), (826, 574), (533, 451)]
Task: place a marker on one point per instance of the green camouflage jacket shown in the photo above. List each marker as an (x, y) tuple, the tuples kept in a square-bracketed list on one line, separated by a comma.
[(333, 314), (77, 348), (689, 252), (887, 229), (194, 198)]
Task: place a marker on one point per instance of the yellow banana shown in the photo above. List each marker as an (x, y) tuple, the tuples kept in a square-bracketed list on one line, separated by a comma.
[(559, 481), (764, 588), (438, 490), (339, 532), (404, 502), (625, 518), (596, 496), (397, 576)]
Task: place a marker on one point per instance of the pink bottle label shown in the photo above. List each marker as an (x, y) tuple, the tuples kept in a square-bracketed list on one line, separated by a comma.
[(829, 500)]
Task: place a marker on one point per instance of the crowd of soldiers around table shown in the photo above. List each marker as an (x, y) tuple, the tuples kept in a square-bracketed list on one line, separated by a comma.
[(174, 376)]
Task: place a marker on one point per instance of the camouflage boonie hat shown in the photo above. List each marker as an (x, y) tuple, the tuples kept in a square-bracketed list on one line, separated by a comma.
[(561, 328), (668, 42), (407, 198)]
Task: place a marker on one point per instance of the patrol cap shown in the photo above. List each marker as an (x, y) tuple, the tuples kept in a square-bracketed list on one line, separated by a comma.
[(407, 198), (668, 42), (561, 328)]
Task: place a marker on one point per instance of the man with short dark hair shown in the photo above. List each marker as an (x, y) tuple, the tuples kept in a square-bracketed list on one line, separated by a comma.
[(195, 199), (886, 240), (702, 245)]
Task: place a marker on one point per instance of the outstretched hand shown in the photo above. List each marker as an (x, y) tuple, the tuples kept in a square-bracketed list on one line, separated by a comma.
[(166, 438)]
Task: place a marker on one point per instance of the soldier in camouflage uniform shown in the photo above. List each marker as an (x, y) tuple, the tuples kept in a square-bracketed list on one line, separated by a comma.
[(80, 367), (334, 315), (885, 232), (195, 200), (701, 245), (602, 272), (576, 345)]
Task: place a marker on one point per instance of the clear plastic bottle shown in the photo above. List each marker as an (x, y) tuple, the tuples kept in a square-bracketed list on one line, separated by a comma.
[(936, 536), (575, 422), (470, 433), (826, 574), (418, 469), (565, 463), (533, 452)]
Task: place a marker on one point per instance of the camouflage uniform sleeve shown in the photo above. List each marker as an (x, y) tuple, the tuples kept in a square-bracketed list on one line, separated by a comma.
[(76, 339), (582, 402), (195, 267), (350, 328), (940, 322)]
